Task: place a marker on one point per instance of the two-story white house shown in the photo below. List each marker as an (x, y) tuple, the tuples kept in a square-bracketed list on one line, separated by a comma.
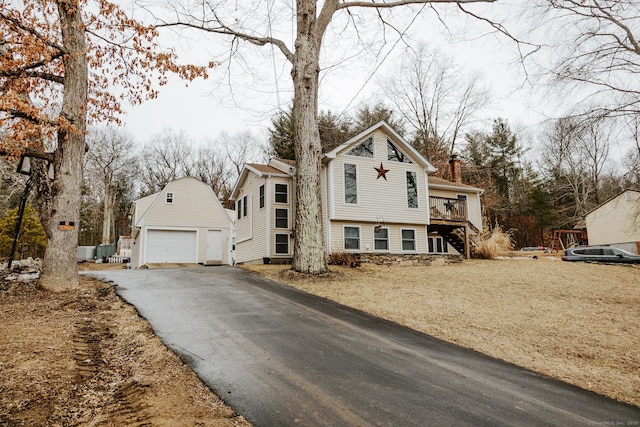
[(376, 198)]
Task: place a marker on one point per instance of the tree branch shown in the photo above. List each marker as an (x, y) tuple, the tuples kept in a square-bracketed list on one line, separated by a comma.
[(256, 40), (397, 3)]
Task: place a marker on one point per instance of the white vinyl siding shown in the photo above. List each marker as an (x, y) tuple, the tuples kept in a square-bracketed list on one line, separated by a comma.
[(367, 239), (195, 207), (378, 198), (251, 235), (616, 221)]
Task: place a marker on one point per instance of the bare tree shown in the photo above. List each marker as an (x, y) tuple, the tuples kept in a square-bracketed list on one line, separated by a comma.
[(167, 157), (244, 22), (110, 161), (598, 52), (437, 98), (573, 156), (211, 168)]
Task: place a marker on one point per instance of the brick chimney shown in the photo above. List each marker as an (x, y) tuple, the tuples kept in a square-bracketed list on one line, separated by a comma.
[(454, 169)]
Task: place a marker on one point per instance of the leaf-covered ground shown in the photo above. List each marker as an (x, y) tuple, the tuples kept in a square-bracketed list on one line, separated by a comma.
[(85, 358)]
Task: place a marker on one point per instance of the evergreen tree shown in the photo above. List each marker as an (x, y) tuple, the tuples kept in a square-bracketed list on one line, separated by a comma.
[(32, 239)]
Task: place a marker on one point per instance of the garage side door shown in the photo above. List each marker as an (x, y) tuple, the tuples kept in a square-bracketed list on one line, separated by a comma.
[(172, 246)]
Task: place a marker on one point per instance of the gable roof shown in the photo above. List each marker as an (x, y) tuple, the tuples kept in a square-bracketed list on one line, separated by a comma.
[(148, 202), (395, 138), (610, 199), (445, 184), (276, 167)]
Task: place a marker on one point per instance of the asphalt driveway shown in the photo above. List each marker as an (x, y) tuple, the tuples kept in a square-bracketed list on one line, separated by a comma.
[(281, 357)]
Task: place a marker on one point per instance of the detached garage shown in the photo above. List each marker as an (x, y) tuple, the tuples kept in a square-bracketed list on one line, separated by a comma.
[(185, 223)]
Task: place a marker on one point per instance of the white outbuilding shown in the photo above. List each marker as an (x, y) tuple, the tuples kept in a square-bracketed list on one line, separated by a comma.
[(185, 223)]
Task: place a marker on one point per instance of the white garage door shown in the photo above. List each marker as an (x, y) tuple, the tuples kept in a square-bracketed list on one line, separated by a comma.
[(171, 246)]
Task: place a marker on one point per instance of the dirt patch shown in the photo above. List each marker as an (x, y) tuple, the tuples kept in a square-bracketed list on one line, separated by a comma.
[(86, 358), (576, 322)]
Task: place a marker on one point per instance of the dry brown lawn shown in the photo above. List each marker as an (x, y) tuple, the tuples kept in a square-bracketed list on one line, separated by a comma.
[(576, 322)]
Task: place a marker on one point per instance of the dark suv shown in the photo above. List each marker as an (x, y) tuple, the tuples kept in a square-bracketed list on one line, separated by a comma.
[(600, 254)]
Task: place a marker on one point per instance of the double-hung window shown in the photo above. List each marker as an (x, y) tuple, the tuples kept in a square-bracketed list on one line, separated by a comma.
[(352, 238), (350, 184), (408, 240), (282, 193), (282, 218), (282, 244), (381, 239)]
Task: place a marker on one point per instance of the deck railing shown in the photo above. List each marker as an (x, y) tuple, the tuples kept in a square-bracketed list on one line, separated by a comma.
[(447, 209)]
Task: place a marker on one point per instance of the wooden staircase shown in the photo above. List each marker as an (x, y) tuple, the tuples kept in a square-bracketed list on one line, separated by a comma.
[(455, 236)]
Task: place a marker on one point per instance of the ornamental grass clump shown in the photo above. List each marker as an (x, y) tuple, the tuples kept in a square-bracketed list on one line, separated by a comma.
[(492, 242)]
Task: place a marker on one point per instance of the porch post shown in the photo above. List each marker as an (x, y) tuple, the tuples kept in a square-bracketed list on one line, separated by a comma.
[(467, 246)]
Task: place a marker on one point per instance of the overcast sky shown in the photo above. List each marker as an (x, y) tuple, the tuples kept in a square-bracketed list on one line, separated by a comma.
[(245, 97)]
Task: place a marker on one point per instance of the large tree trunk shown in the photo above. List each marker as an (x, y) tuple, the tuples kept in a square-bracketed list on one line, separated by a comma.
[(60, 265), (107, 211), (309, 254)]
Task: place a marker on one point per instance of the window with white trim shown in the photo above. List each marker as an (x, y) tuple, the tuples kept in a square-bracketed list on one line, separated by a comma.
[(437, 245), (168, 198), (282, 218), (408, 240), (352, 238), (395, 155), (244, 206), (239, 208), (364, 149), (261, 196), (282, 193), (350, 184), (380, 239), (282, 244), (412, 190)]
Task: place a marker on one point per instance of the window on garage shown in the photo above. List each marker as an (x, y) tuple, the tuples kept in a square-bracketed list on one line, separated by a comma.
[(169, 198)]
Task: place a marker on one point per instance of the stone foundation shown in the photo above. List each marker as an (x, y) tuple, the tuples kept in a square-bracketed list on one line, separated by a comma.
[(410, 259)]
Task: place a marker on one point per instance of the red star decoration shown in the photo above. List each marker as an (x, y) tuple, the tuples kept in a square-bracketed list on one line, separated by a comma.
[(382, 172)]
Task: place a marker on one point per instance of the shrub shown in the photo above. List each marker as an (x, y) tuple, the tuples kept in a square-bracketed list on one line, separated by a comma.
[(342, 258)]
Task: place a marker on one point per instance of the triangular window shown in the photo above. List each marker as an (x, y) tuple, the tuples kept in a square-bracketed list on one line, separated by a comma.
[(364, 149), (395, 155)]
